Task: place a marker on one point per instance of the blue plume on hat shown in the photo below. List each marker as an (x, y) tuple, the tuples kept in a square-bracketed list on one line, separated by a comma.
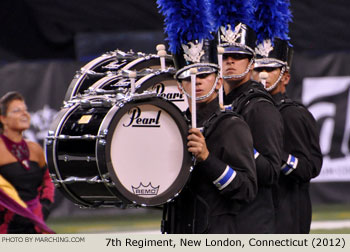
[(226, 12), (271, 19), (185, 21)]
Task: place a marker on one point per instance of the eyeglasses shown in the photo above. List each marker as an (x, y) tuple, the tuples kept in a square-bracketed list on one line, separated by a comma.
[(266, 69), (236, 56)]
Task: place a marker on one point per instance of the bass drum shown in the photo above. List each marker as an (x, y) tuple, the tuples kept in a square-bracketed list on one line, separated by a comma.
[(110, 64), (97, 68), (108, 151), (161, 82)]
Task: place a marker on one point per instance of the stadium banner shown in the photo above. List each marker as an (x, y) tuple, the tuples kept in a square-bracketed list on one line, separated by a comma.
[(328, 99)]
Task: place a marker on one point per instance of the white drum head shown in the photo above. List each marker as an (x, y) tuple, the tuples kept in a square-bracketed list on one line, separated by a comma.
[(169, 90), (147, 151)]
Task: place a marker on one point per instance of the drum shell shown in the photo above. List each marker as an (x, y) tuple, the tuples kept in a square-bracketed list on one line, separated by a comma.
[(76, 158), (83, 80)]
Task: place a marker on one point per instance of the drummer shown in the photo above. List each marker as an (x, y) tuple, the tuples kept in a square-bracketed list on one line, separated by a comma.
[(224, 175)]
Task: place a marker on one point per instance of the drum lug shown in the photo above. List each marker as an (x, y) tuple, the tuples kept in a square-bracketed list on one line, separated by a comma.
[(104, 133), (102, 142), (83, 137), (54, 180), (50, 137), (108, 180), (72, 179), (67, 104)]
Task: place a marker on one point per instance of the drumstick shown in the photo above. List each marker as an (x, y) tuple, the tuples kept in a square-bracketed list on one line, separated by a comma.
[(221, 51), (132, 76), (193, 72), (263, 77), (161, 53)]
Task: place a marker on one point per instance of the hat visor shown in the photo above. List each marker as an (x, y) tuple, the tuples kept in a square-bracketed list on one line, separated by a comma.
[(186, 72), (235, 49), (261, 63)]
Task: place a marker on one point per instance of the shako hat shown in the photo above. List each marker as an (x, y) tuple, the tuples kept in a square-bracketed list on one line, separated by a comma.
[(231, 19), (271, 22), (188, 28)]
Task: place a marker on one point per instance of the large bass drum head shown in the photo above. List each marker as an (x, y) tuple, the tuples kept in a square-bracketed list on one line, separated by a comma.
[(147, 156)]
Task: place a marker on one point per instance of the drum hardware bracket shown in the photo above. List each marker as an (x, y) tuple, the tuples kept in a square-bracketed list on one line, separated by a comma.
[(95, 104), (144, 95), (71, 180), (82, 137), (106, 177), (67, 158)]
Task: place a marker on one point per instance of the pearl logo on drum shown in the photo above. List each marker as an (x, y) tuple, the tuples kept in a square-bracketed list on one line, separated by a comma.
[(136, 119), (171, 96), (145, 190)]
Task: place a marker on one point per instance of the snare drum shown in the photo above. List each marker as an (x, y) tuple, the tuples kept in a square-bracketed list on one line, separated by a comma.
[(104, 151)]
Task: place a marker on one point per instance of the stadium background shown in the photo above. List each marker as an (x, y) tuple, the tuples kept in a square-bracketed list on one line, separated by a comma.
[(44, 42)]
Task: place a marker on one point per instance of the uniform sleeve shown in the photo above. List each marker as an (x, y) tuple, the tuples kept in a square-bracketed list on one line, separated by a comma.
[(302, 158), (266, 125), (233, 171)]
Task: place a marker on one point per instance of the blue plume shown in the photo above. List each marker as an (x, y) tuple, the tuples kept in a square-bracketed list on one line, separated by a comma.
[(272, 19), (226, 12), (185, 21)]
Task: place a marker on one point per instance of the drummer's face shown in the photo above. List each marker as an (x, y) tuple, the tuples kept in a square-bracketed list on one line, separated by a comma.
[(204, 83)]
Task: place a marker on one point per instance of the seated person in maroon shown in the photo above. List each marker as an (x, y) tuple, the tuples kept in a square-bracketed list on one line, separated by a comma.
[(23, 165)]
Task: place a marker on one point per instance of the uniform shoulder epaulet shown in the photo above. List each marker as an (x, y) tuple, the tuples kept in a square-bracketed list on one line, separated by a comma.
[(210, 124), (287, 102)]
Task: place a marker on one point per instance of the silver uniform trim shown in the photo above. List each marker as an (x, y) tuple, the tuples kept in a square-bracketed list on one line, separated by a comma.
[(274, 85)]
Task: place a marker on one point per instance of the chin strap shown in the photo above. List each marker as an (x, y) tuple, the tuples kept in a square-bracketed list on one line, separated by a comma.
[(239, 76), (274, 85), (204, 96)]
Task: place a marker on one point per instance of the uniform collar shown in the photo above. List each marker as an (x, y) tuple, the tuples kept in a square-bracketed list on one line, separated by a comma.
[(236, 92), (279, 97), (205, 112)]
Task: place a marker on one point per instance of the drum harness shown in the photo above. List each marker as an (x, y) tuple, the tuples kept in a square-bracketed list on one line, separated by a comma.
[(245, 98)]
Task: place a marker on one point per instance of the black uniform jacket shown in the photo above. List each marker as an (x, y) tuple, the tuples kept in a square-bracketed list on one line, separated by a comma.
[(205, 206), (266, 125), (301, 140)]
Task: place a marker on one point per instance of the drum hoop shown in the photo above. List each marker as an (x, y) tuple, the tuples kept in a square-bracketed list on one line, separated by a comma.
[(154, 78), (77, 80), (143, 62), (104, 81), (180, 181)]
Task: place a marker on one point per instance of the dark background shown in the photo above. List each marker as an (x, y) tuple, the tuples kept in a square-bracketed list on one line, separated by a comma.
[(48, 29)]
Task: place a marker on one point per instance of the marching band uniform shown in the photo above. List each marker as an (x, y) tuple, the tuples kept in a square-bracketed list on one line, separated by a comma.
[(226, 180), (203, 207), (301, 156), (301, 144), (257, 108)]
